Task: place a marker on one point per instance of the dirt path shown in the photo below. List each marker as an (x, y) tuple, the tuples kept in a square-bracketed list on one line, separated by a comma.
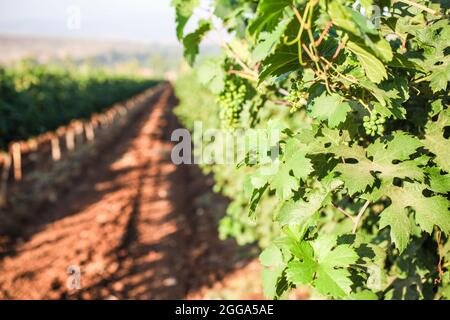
[(130, 225)]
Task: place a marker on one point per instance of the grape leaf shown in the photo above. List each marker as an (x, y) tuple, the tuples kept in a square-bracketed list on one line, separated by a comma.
[(374, 68), (326, 267), (271, 40), (343, 18), (270, 281), (434, 40), (301, 270), (331, 108), (428, 211), (224, 8), (284, 59), (183, 11), (295, 161), (300, 211), (385, 162), (440, 77), (210, 74), (283, 176), (436, 142), (439, 182), (271, 257), (269, 13), (192, 41), (364, 295), (359, 27), (273, 281), (332, 277), (356, 177)]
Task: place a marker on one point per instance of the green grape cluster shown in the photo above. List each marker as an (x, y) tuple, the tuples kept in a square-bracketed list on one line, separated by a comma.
[(296, 97), (231, 102), (374, 125)]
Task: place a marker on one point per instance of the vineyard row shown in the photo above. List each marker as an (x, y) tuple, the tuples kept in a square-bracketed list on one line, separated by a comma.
[(64, 140)]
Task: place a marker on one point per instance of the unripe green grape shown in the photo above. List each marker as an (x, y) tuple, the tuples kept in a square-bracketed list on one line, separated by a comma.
[(231, 101), (296, 96), (373, 124)]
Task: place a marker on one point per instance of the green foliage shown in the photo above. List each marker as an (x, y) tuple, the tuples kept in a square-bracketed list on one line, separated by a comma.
[(330, 108), (231, 101), (361, 185), (231, 182), (184, 10), (35, 98), (192, 41)]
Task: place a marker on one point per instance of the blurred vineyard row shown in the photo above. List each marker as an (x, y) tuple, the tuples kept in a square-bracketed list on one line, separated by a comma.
[(230, 180), (37, 98)]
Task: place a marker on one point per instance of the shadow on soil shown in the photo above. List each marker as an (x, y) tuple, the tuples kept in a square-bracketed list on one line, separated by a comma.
[(189, 258)]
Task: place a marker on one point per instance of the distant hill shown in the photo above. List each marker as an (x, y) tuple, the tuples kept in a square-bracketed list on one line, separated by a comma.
[(14, 48), (153, 60)]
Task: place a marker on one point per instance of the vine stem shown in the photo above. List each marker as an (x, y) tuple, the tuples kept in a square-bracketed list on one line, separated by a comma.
[(426, 78), (302, 26), (365, 105), (324, 33), (348, 215), (360, 214), (223, 44), (300, 32), (282, 103), (310, 54), (243, 65), (284, 92), (309, 30), (244, 75), (328, 63), (338, 50)]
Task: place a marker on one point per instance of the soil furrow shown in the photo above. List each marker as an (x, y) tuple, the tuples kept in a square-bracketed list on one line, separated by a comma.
[(130, 225)]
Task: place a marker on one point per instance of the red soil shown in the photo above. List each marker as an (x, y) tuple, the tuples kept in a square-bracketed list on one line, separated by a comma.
[(130, 223)]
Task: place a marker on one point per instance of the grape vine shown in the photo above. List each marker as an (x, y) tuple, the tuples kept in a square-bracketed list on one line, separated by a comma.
[(359, 205)]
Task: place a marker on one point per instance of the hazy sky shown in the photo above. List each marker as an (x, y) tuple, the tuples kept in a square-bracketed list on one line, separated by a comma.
[(137, 20)]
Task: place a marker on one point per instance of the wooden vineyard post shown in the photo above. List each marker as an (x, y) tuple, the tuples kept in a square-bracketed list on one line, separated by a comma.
[(56, 150), (17, 161), (103, 121), (4, 179), (70, 140), (90, 135), (110, 118), (122, 115), (100, 122), (78, 128), (123, 111), (78, 131), (33, 144)]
